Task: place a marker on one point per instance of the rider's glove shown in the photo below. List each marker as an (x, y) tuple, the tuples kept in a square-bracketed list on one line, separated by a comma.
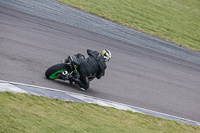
[(65, 60)]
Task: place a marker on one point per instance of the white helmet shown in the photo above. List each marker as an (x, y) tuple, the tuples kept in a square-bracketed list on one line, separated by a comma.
[(106, 54)]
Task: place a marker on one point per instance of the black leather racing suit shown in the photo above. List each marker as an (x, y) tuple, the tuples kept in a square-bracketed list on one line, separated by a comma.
[(94, 63)]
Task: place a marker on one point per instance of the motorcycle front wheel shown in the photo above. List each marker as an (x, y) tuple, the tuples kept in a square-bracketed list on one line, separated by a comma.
[(54, 71)]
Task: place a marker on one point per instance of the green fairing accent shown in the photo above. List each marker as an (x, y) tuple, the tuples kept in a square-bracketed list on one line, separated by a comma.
[(54, 75), (75, 68)]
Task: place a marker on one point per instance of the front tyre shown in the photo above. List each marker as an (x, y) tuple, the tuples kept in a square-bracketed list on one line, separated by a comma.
[(53, 71)]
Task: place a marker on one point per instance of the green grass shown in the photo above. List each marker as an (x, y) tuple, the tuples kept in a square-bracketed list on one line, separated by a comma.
[(177, 21), (32, 114)]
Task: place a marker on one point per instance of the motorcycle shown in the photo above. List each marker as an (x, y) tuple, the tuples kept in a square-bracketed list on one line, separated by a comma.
[(67, 71)]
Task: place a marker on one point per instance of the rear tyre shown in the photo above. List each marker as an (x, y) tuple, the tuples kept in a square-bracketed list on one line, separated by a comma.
[(54, 71)]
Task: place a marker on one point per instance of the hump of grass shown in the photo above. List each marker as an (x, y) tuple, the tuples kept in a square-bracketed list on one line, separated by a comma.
[(173, 20), (30, 113)]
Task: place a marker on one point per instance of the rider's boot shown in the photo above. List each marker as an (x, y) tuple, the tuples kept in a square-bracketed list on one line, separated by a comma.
[(77, 81), (83, 89)]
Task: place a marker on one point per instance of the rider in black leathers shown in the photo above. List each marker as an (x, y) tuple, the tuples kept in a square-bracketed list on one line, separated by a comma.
[(95, 63)]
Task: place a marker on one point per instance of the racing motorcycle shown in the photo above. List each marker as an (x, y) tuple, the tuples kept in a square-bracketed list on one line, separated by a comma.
[(67, 70)]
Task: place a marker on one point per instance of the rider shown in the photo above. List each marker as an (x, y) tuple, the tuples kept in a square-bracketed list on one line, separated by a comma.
[(95, 63)]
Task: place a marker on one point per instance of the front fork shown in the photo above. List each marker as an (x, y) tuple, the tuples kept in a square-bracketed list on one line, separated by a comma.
[(66, 75), (73, 74)]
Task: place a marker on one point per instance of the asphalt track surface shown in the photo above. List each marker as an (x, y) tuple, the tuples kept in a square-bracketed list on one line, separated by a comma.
[(144, 71)]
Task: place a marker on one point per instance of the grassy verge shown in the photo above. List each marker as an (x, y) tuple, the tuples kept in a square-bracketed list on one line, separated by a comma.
[(177, 21), (27, 113)]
